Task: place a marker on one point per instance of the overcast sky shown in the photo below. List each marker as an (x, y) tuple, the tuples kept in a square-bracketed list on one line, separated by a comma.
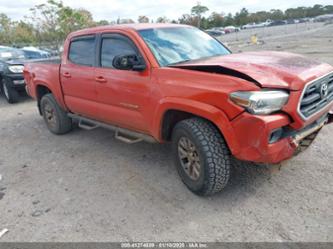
[(112, 9)]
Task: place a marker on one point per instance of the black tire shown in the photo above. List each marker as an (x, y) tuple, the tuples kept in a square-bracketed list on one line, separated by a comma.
[(211, 151), (11, 95), (54, 116)]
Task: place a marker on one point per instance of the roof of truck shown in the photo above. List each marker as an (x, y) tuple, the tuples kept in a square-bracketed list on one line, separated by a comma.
[(132, 26)]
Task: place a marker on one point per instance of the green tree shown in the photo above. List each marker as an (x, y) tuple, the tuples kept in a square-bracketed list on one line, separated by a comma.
[(242, 17), (260, 16), (198, 11), (216, 20), (277, 14), (23, 34), (143, 19), (187, 19), (162, 19), (294, 13), (45, 17), (73, 19), (328, 9), (54, 21), (229, 20), (316, 10), (102, 23), (5, 29)]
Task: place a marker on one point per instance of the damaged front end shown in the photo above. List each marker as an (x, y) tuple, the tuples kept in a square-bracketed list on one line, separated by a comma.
[(218, 70), (271, 138), (283, 116), (302, 139)]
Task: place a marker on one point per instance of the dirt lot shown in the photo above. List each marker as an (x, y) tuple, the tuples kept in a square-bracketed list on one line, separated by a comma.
[(314, 40), (87, 186)]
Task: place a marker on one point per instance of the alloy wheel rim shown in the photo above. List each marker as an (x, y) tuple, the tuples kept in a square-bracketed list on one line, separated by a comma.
[(189, 158), (50, 115)]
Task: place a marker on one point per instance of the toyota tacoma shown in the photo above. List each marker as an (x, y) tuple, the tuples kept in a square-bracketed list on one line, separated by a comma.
[(175, 83)]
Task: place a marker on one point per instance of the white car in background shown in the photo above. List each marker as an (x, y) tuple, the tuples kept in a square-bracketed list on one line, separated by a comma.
[(257, 25), (249, 26)]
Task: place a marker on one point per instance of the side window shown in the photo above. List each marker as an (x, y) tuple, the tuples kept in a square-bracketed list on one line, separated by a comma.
[(82, 51), (114, 46)]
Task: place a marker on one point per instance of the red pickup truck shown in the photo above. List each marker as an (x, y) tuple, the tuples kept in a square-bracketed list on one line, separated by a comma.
[(163, 82)]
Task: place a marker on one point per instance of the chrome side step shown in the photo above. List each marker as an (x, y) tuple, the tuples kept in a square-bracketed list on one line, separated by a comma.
[(121, 134), (87, 126), (125, 139)]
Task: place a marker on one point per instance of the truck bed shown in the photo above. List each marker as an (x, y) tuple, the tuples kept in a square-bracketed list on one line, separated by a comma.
[(52, 60), (45, 72)]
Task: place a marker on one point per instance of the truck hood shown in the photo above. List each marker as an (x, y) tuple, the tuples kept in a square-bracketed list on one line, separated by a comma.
[(266, 69)]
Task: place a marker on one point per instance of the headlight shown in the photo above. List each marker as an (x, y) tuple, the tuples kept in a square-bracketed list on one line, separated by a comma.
[(16, 68), (261, 102)]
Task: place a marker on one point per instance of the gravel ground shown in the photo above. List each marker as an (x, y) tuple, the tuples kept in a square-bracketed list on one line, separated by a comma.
[(87, 186)]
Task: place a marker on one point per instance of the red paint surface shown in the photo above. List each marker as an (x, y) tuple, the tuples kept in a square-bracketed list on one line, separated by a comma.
[(159, 89)]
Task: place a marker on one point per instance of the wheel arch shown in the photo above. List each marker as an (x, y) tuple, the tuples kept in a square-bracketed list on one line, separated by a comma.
[(41, 90), (173, 110)]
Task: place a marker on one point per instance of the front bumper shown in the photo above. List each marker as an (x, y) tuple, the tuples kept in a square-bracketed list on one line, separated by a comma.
[(255, 136), (298, 136), (15, 81)]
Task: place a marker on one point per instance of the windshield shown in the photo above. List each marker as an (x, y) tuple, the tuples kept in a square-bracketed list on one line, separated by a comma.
[(33, 54), (11, 54), (180, 44)]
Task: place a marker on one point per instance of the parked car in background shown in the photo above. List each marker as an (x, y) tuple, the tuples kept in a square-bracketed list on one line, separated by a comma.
[(291, 21), (277, 23), (323, 18), (304, 20), (257, 25), (174, 83), (215, 32), (35, 53), (11, 73), (52, 52), (231, 29), (264, 24), (249, 26)]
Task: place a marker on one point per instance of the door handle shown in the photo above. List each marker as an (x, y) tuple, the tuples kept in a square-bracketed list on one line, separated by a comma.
[(67, 75), (100, 79)]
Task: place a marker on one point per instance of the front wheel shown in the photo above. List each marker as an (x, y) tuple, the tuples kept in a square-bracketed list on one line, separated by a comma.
[(54, 116), (10, 94), (201, 156)]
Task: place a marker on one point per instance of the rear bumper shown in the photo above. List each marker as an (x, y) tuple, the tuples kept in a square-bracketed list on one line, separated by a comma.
[(270, 139)]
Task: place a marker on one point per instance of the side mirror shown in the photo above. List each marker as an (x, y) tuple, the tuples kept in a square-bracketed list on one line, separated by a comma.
[(128, 62)]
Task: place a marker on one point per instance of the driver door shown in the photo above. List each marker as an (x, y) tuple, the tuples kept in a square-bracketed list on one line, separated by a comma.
[(123, 95)]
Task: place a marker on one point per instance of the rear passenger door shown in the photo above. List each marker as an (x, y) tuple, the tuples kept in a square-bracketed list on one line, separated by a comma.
[(77, 76), (123, 95)]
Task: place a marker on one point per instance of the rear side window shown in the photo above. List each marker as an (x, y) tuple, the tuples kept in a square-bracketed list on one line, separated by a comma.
[(114, 46), (82, 51)]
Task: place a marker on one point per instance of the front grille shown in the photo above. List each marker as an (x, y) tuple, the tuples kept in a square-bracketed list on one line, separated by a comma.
[(316, 96)]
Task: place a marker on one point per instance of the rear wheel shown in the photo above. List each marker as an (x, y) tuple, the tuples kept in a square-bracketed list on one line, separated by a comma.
[(10, 94), (201, 156), (55, 118)]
